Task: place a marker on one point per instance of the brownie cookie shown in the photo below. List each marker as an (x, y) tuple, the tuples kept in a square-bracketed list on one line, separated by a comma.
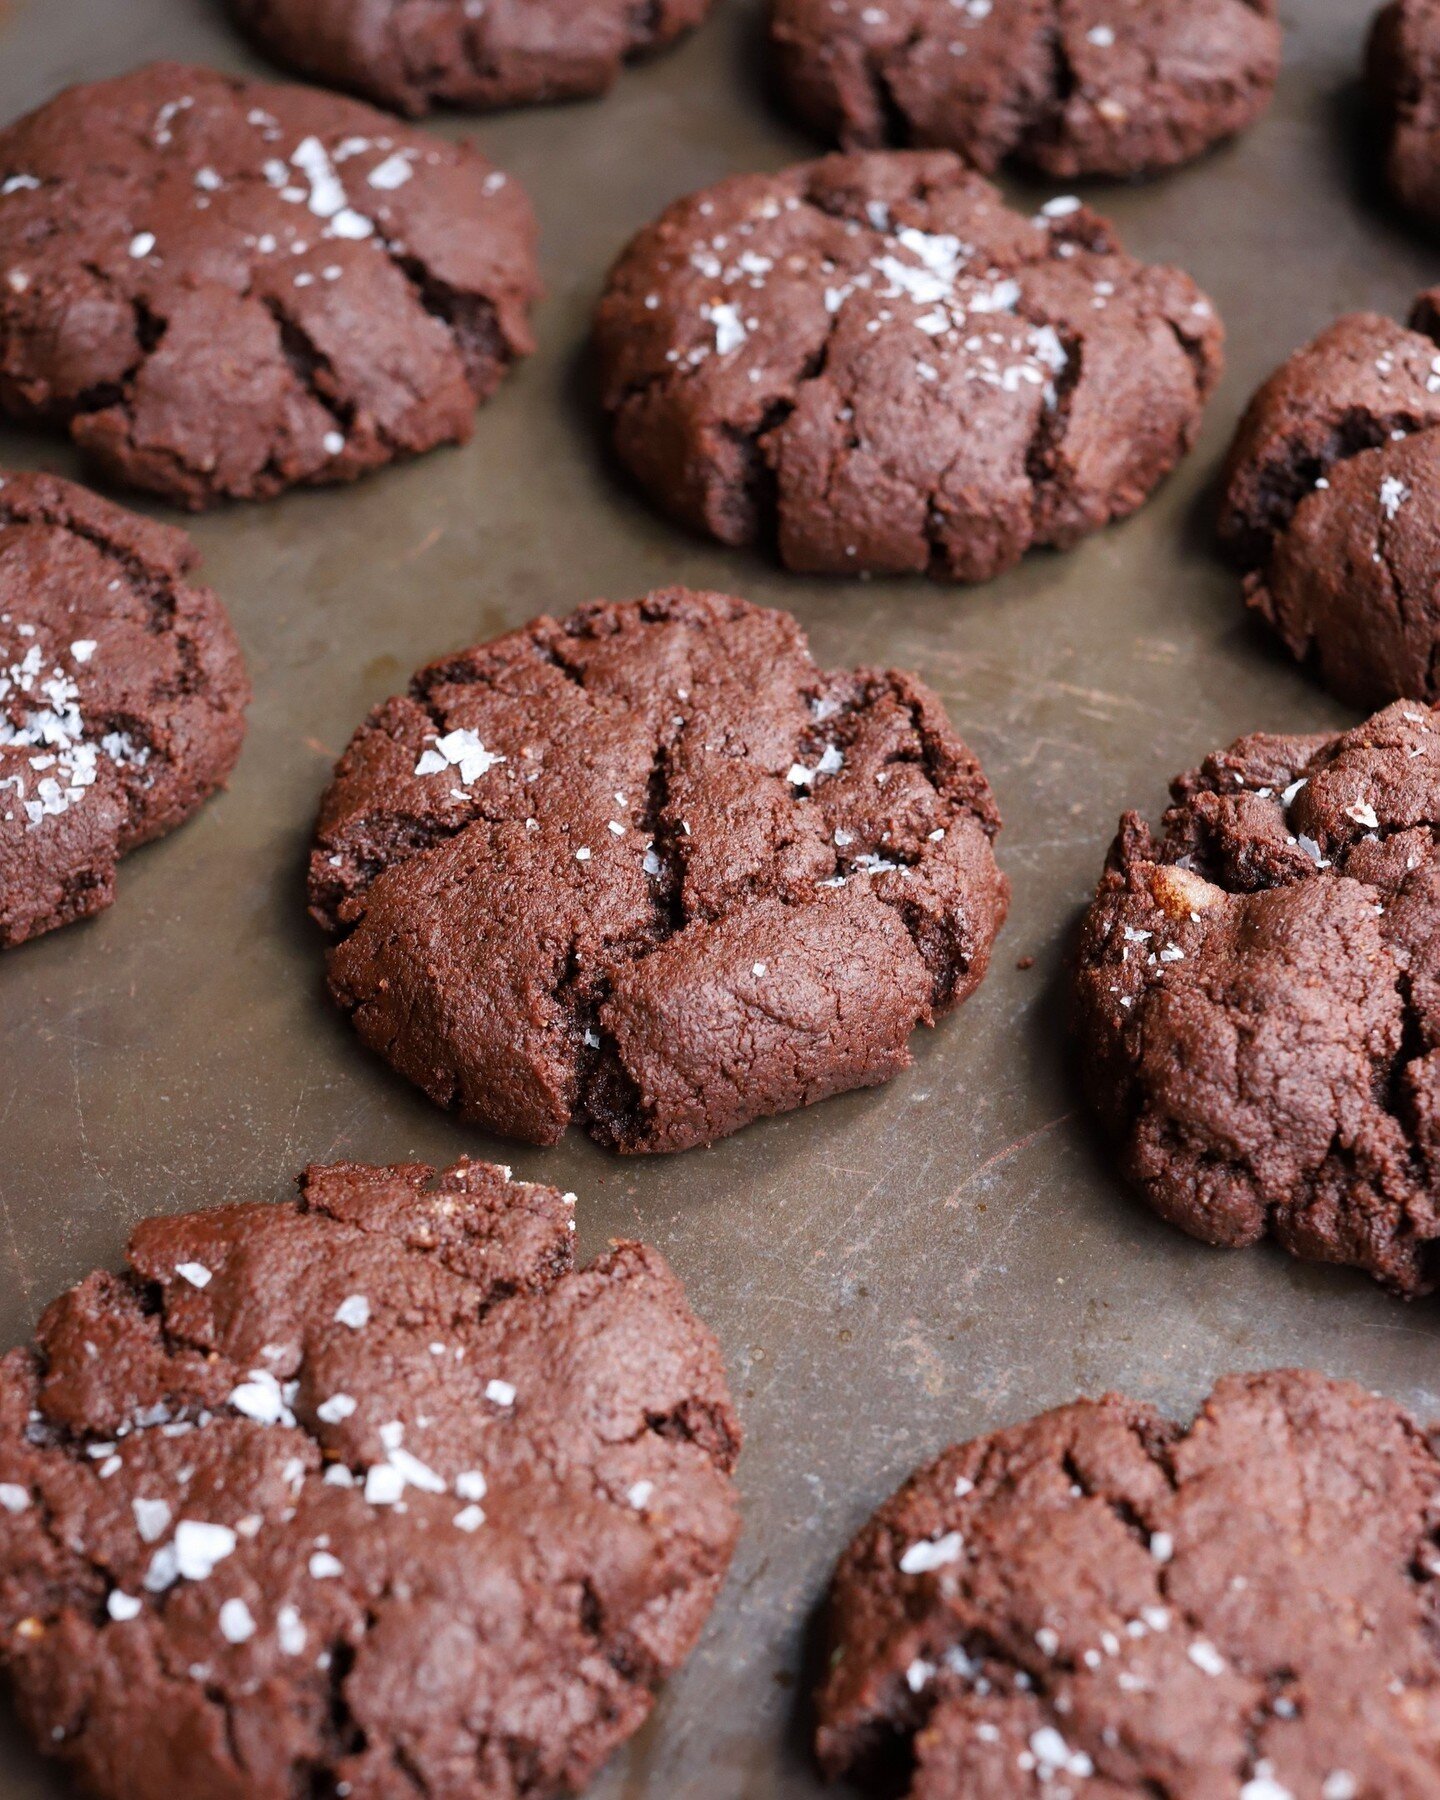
[(223, 289), (1332, 506), (1100, 1606), (372, 1488), (1069, 87), (1258, 997), (875, 363), (416, 54), (1404, 79), (651, 871), (122, 697)]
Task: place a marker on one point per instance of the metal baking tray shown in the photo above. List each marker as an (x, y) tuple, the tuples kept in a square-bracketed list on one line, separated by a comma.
[(888, 1272)]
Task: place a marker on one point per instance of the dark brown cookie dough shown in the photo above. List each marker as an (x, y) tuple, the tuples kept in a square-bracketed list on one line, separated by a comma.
[(1258, 997), (1404, 79), (1332, 507), (1069, 87), (223, 289), (874, 363), (122, 697), (417, 54), (367, 1489), (1100, 1606), (651, 871)]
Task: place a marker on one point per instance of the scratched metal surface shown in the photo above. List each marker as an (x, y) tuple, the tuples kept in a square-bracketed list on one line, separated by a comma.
[(893, 1270)]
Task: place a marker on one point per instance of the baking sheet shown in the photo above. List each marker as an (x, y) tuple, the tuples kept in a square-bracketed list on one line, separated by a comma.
[(891, 1271)]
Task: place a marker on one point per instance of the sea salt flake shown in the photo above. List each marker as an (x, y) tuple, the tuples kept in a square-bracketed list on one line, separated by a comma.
[(469, 1518), (289, 1632), (335, 1410), (14, 1498), (502, 1393), (123, 1607), (924, 1557), (353, 1311), (1205, 1656), (237, 1623), (199, 1547), (195, 1273), (325, 1567)]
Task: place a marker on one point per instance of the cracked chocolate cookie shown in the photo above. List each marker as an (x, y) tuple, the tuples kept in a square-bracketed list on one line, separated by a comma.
[(1097, 1602), (1258, 997), (122, 697), (1069, 87), (368, 1489), (651, 871), (1332, 505), (413, 57), (874, 364), (223, 289), (1403, 70)]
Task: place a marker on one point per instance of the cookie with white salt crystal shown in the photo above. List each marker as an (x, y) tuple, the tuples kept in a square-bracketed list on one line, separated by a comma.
[(122, 696), (1257, 998), (223, 289), (871, 363), (1069, 87), (651, 871), (373, 1479), (1332, 505), (1099, 1602)]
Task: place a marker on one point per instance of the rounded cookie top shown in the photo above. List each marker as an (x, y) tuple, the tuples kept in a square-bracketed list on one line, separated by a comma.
[(122, 697), (223, 289), (370, 1480), (875, 363), (1331, 505), (651, 871), (1097, 1602), (1403, 72), (1258, 997), (1069, 87), (455, 53)]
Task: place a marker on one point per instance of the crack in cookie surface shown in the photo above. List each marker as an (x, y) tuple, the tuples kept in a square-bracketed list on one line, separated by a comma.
[(225, 288), (1329, 504), (872, 363), (374, 1486), (1097, 1602), (1256, 997), (1068, 87), (652, 870), (122, 697), (414, 55)]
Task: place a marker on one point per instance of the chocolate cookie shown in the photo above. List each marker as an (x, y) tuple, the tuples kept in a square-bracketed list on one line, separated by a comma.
[(1403, 69), (1332, 508), (1069, 87), (223, 289), (122, 697), (370, 1489), (1258, 997), (872, 361), (1097, 1603), (651, 871), (457, 53)]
